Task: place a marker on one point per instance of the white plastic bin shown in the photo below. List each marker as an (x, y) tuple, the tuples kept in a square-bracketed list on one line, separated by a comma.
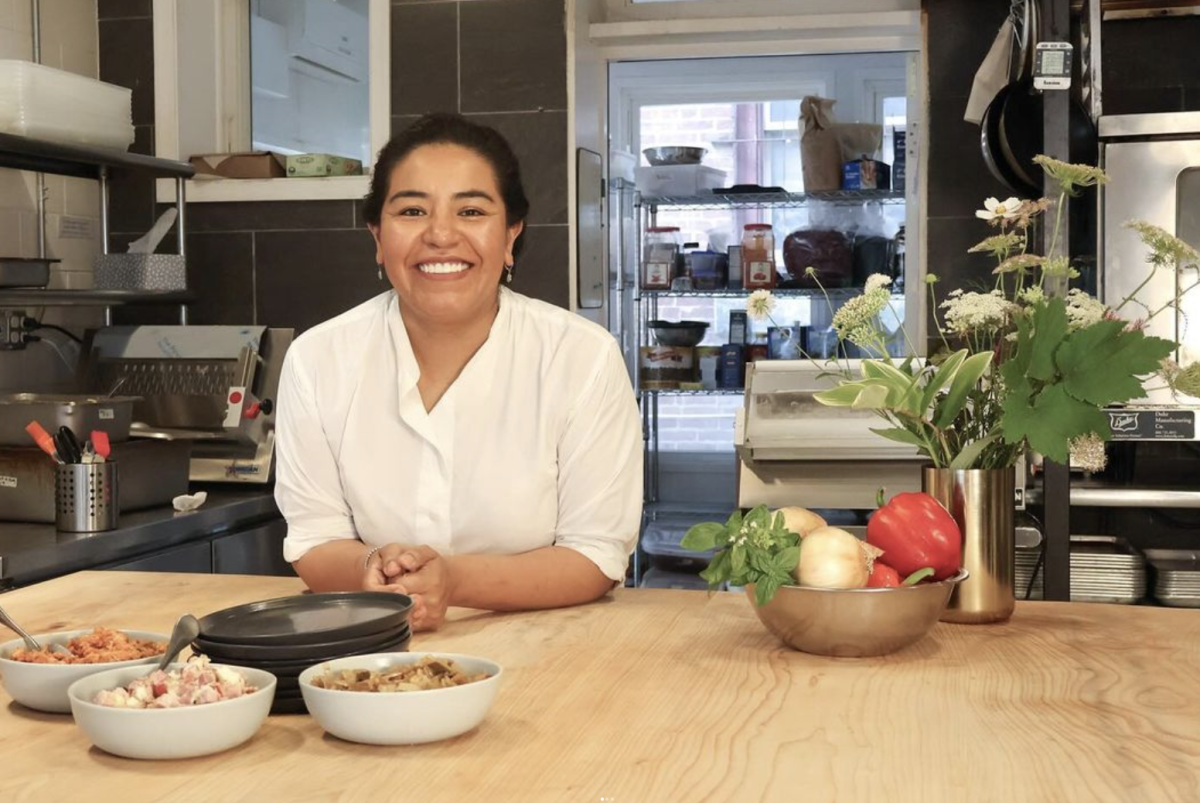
[(43, 103), (678, 180)]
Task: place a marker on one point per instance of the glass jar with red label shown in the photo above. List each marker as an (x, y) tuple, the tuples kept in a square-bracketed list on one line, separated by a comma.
[(758, 256)]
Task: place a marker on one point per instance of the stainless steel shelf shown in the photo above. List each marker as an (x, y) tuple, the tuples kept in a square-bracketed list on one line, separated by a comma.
[(772, 200), (1084, 496), (22, 153), (92, 298)]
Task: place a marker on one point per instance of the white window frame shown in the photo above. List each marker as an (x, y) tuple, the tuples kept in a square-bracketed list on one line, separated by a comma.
[(231, 115), (686, 84)]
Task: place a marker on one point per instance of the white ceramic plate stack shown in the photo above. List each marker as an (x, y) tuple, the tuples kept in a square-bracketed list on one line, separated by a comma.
[(1103, 569), (1176, 576)]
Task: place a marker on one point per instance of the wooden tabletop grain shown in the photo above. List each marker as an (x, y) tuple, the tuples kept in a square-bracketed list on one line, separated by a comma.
[(656, 695)]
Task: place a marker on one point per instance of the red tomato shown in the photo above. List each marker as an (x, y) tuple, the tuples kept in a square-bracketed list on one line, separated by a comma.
[(883, 576)]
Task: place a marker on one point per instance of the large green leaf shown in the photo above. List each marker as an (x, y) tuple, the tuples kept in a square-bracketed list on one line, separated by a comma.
[(786, 559), (971, 452), (900, 435), (900, 385), (965, 380), (1050, 327), (871, 397), (702, 537), (1051, 421), (944, 374), (1013, 369), (1100, 364), (841, 396), (717, 570)]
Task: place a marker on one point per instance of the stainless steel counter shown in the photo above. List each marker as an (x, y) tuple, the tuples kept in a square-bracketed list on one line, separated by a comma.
[(30, 553)]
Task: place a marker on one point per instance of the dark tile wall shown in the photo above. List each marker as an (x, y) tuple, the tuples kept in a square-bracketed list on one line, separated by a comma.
[(500, 62), (958, 35)]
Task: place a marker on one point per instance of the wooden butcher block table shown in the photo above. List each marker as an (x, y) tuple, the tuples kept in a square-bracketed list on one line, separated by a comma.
[(665, 695)]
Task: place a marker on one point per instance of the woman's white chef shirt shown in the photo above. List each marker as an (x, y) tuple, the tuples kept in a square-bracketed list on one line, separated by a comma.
[(537, 443)]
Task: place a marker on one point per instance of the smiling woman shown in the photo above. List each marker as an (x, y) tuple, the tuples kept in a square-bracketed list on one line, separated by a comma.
[(452, 439)]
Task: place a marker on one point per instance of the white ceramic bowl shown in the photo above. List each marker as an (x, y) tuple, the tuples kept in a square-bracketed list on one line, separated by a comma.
[(401, 717), (44, 686), (168, 733)]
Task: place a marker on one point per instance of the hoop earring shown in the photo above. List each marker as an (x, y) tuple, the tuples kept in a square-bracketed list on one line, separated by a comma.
[(508, 274)]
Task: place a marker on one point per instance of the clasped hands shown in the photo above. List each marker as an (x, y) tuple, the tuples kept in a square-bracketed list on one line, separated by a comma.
[(419, 571)]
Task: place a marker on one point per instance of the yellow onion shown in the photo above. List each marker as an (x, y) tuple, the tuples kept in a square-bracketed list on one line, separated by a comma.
[(833, 558), (801, 521)]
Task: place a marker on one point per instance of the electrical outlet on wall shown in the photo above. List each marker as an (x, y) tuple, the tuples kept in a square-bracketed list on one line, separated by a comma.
[(11, 331)]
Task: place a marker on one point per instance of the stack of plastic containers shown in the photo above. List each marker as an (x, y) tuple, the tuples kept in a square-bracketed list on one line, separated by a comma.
[(43, 103)]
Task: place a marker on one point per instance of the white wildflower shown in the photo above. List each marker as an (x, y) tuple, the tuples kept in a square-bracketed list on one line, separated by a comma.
[(1188, 381), (877, 280), (1083, 310), (970, 312), (1087, 453), (955, 293), (1032, 295), (1166, 250), (855, 321), (993, 209), (760, 305)]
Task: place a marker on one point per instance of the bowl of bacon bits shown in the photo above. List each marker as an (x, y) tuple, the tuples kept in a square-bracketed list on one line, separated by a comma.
[(400, 698), (189, 709), (39, 679)]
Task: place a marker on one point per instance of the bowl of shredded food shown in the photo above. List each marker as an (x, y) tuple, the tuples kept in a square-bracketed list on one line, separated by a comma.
[(39, 679), (400, 698)]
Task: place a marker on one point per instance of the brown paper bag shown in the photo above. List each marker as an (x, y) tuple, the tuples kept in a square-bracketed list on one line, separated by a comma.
[(858, 140), (820, 150)]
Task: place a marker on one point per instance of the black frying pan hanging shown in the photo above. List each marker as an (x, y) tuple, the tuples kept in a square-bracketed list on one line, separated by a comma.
[(1012, 129)]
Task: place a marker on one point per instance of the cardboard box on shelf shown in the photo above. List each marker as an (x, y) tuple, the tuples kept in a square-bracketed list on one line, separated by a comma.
[(866, 174), (322, 164), (254, 164)]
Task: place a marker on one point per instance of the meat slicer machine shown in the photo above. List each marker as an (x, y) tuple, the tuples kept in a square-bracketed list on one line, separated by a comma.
[(793, 450), (213, 385)]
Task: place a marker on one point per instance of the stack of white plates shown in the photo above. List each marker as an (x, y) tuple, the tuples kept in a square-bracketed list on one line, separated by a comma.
[(1176, 576), (1103, 569)]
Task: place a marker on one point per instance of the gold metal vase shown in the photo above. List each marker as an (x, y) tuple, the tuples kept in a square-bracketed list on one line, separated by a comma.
[(982, 502)]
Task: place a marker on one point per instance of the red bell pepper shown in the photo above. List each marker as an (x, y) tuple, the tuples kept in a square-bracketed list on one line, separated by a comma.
[(883, 576), (915, 531)]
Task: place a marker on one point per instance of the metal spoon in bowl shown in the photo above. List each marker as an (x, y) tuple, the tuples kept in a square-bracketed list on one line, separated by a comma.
[(29, 640), (183, 634)]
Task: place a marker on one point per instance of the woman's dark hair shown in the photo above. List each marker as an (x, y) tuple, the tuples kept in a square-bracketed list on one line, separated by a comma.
[(451, 129)]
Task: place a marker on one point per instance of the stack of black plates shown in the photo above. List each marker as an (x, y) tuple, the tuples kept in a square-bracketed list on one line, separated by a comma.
[(285, 636)]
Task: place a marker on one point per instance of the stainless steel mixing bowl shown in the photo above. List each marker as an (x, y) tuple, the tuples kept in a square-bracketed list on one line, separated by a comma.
[(855, 622), (674, 155)]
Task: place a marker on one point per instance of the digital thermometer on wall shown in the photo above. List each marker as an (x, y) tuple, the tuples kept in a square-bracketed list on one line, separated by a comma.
[(1052, 65)]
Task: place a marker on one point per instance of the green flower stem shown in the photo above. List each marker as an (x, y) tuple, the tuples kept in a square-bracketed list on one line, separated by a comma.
[(937, 323), (1173, 302), (911, 349), (1062, 197)]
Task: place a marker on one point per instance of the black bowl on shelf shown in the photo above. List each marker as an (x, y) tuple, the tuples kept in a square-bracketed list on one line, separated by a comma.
[(678, 333)]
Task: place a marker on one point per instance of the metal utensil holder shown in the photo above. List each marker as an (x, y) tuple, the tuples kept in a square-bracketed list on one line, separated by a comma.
[(86, 498)]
